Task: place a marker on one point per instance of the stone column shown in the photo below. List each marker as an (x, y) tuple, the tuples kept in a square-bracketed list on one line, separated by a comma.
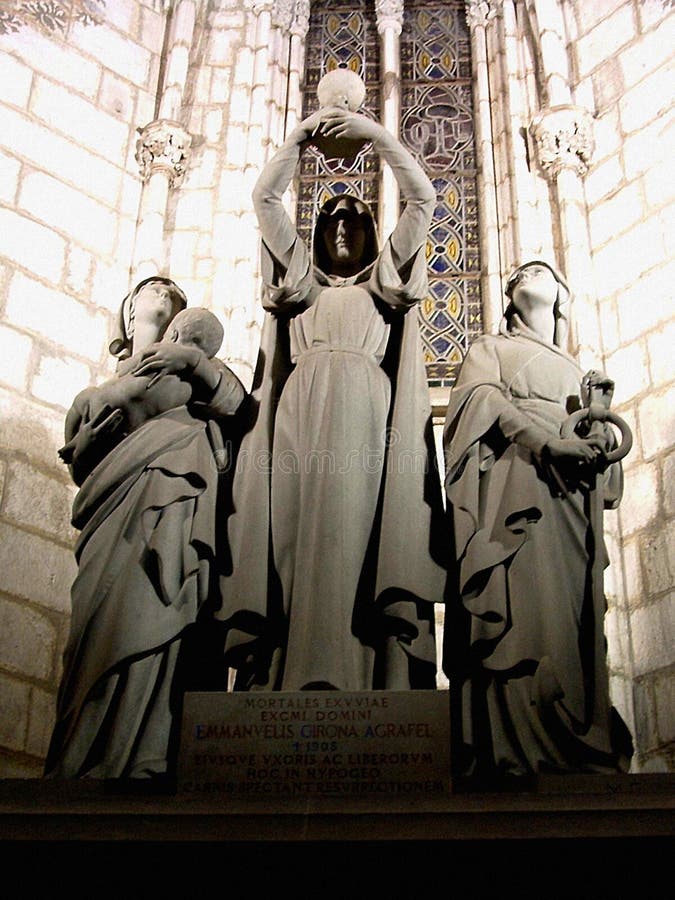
[(562, 134), (479, 15), (163, 147), (299, 27), (389, 25)]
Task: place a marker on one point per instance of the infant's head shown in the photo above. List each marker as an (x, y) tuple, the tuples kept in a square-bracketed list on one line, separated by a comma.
[(196, 327)]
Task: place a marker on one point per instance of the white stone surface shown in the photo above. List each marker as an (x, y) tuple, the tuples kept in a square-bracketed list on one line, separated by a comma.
[(609, 33), (57, 317), (30, 429), (114, 51), (629, 369), (89, 222), (53, 152), (31, 245), (38, 501), (652, 628), (27, 640), (15, 357), (81, 120), (657, 422), (57, 61), (648, 100), (59, 379), (657, 553), (640, 501), (47, 580), (16, 79)]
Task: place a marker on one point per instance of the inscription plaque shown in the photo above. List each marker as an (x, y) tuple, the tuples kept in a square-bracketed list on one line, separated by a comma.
[(323, 743)]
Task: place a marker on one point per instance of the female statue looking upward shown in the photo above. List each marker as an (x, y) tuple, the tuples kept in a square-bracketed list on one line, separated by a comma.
[(143, 448), (524, 646)]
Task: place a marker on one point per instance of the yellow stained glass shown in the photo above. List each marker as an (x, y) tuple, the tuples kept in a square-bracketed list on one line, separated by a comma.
[(428, 250), (453, 250), (428, 307), (453, 304)]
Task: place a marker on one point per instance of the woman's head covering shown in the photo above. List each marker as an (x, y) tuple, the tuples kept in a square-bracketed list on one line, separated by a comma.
[(332, 207), (120, 345), (560, 308)]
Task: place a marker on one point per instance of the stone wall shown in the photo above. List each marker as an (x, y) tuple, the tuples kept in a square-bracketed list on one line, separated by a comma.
[(71, 199), (69, 191), (72, 214), (623, 53)]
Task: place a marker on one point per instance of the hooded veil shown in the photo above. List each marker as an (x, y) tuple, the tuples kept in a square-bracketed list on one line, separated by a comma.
[(402, 573)]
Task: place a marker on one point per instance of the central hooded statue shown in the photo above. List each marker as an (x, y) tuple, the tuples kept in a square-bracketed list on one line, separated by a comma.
[(336, 498)]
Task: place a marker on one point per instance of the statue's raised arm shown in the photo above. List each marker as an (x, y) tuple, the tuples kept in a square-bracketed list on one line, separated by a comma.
[(334, 566)]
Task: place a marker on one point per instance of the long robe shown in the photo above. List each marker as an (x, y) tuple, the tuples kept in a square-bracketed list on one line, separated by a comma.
[(529, 687), (337, 560), (147, 563)]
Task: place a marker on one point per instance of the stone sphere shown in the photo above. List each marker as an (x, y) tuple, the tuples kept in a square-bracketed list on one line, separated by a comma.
[(341, 88)]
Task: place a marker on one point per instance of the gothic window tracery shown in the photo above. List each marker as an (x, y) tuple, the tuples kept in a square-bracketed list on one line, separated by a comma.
[(341, 35), (437, 127)]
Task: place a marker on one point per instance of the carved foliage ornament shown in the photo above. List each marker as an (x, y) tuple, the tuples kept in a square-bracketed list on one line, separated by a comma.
[(480, 12), (49, 15), (163, 146), (563, 137), (389, 14), (300, 23)]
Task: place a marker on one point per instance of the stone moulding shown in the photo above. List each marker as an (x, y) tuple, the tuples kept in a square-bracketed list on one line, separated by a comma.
[(163, 146), (563, 138)]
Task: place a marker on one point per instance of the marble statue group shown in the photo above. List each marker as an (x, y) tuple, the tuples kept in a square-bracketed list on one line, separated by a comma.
[(295, 537)]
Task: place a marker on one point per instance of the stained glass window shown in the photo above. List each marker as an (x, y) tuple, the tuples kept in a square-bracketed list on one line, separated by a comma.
[(341, 35), (437, 128)]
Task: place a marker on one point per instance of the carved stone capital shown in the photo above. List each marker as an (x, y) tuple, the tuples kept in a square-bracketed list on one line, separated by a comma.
[(563, 137), (259, 6), (282, 13), (480, 12), (163, 146), (300, 22), (389, 14)]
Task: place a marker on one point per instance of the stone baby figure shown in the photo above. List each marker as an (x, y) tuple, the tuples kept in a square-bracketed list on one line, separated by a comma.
[(524, 648), (143, 447)]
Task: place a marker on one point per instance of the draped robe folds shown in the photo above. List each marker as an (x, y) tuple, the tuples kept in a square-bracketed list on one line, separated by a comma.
[(519, 650), (146, 565), (337, 533)]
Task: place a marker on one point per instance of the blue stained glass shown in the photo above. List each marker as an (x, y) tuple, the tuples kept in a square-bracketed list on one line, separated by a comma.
[(341, 34)]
